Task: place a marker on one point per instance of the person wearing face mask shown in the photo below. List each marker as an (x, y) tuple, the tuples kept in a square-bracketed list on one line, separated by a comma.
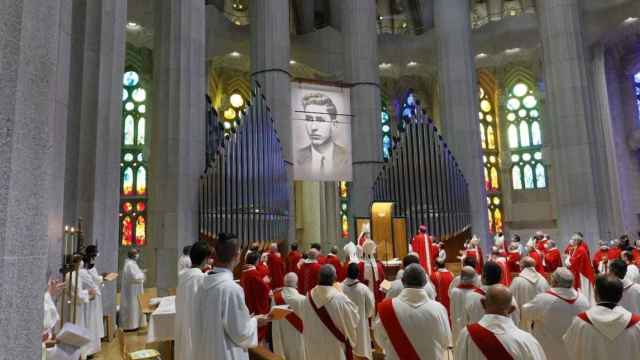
[(131, 316), (92, 310)]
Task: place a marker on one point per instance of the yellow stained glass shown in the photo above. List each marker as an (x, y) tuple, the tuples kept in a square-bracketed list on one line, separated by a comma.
[(497, 219), (485, 105), (491, 140), (127, 181), (494, 179), (141, 231), (141, 181), (483, 140), (127, 232)]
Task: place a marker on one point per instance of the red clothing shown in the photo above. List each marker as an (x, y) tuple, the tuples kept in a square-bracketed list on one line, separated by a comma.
[(308, 276), (614, 253), (552, 260), (505, 274), (377, 293), (598, 257), (535, 255), (513, 262), (581, 265), (322, 259), (569, 250), (276, 269), (636, 256), (476, 253), (262, 268), (540, 245), (441, 279), (256, 294), (423, 246), (293, 258), (335, 262)]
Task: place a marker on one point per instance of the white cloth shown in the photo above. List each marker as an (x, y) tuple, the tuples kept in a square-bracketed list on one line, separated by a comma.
[(633, 274), (162, 320), (371, 272), (474, 311), (424, 322), (525, 287), (630, 296), (51, 316), (184, 263), (131, 316), (92, 310), (456, 281), (287, 340), (189, 281), (360, 295), (319, 342), (222, 327), (397, 287), (551, 317), (607, 338), (458, 300), (520, 344)]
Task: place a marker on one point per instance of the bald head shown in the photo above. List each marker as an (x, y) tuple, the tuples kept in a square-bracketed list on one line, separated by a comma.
[(527, 262), (274, 247), (414, 277), (326, 275), (291, 280), (498, 300), (467, 275), (562, 278)]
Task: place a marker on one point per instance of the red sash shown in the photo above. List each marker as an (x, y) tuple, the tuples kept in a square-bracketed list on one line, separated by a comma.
[(488, 343), (633, 321), (568, 301), (292, 318), (467, 286), (326, 320), (480, 291), (401, 343)]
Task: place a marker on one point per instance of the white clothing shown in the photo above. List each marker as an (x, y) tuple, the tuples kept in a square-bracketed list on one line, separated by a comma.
[(633, 274), (360, 295), (519, 344), (442, 255), (474, 311), (221, 326), (184, 263), (92, 310), (552, 316), (397, 287), (189, 281), (319, 342), (51, 316), (371, 272), (287, 340), (630, 296), (458, 299), (525, 287), (131, 316), (607, 338), (456, 281), (424, 322)]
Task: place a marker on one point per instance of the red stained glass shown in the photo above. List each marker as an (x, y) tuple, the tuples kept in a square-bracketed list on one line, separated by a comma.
[(127, 231), (126, 207), (141, 231), (140, 207)]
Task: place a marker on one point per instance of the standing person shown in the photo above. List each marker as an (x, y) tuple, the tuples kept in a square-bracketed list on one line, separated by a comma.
[(396, 285), (334, 260), (537, 256), (474, 310), (189, 281), (442, 279), (287, 333), (321, 258), (552, 257), (630, 291), (496, 256), (276, 267), (93, 316), (552, 312), (308, 273), (473, 250), (459, 298), (605, 331), (526, 286), (371, 270), (580, 265), (470, 262), (222, 327), (184, 261), (495, 336), (360, 295), (633, 273), (422, 244), (131, 316), (412, 326), (256, 291), (293, 258), (601, 258)]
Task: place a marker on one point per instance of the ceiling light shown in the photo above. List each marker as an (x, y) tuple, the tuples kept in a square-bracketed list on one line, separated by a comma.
[(234, 54), (380, 18), (481, 56), (412, 64), (133, 26), (292, 62), (384, 65), (630, 20), (512, 51)]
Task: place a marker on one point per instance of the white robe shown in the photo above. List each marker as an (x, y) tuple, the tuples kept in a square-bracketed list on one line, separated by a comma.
[(474, 311), (456, 281), (397, 287), (607, 338), (630, 296), (51, 316), (222, 327), (551, 317), (287, 340), (131, 316), (189, 281), (633, 274), (424, 322), (184, 263), (525, 287), (360, 295), (520, 344), (319, 342), (458, 299), (92, 310)]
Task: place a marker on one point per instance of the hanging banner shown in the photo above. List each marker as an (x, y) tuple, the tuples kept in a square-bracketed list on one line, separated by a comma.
[(321, 127)]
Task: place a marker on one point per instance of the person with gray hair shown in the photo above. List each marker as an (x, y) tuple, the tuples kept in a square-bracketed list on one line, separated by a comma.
[(552, 312), (527, 285), (458, 297), (412, 316), (287, 333), (308, 272)]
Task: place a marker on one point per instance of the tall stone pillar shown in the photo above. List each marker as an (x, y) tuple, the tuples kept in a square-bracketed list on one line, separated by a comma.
[(567, 113), (177, 140), (28, 61), (360, 48), (270, 55), (458, 92)]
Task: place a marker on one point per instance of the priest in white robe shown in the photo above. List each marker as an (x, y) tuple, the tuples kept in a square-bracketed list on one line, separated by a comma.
[(633, 273), (474, 310), (496, 336), (189, 282), (92, 310), (132, 285), (630, 290), (184, 261), (459, 297), (526, 286), (330, 320), (552, 312), (396, 285), (606, 331), (288, 341), (221, 326), (412, 326), (362, 297)]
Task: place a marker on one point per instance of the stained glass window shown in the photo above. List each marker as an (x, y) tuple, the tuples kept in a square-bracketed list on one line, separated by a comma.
[(385, 126), (343, 194), (524, 136), (133, 224), (636, 86)]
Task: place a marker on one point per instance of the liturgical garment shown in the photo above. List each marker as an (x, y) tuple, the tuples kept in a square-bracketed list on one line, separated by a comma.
[(287, 333), (422, 245), (474, 310), (131, 316), (362, 297), (276, 269), (189, 281), (525, 287), (459, 298)]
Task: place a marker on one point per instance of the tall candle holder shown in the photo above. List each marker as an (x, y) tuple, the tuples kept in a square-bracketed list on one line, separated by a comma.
[(72, 245)]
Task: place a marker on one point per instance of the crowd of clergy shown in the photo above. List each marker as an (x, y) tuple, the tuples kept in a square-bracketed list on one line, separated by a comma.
[(522, 301)]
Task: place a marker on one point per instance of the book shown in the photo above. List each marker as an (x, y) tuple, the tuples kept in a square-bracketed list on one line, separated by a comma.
[(385, 285)]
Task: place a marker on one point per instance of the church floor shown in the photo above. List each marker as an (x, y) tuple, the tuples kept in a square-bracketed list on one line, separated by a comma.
[(134, 341)]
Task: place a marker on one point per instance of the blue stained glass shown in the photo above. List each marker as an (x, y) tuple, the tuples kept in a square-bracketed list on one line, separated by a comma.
[(130, 78), (637, 77), (386, 140), (386, 128)]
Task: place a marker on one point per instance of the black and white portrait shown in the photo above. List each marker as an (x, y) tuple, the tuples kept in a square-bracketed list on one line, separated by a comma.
[(321, 132)]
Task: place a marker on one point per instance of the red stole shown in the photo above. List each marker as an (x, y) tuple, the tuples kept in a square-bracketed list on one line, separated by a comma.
[(480, 291), (421, 244), (323, 315), (535, 255), (292, 318), (568, 301), (488, 343), (633, 321), (401, 343), (467, 286)]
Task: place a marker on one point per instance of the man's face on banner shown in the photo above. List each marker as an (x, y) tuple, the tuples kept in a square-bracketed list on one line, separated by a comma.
[(318, 124)]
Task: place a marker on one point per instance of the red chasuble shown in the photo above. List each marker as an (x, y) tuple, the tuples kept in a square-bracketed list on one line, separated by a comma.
[(505, 274), (292, 261), (513, 262), (552, 260), (335, 262), (476, 253), (614, 253), (308, 276), (636, 256), (535, 255), (441, 280), (256, 294), (598, 257), (322, 259), (399, 339), (422, 245), (488, 343), (276, 269), (581, 265)]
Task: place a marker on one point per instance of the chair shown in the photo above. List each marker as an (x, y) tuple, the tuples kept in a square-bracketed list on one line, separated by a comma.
[(143, 354)]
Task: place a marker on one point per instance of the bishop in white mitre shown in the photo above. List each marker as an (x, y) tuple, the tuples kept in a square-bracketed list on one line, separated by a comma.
[(630, 290), (605, 331), (552, 312), (396, 285), (412, 326), (362, 297), (496, 336), (474, 309), (527, 285), (459, 298), (131, 316), (287, 333)]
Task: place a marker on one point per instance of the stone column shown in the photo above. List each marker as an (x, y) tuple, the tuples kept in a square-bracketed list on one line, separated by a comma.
[(567, 112), (360, 48), (270, 55), (177, 139), (458, 92), (29, 45)]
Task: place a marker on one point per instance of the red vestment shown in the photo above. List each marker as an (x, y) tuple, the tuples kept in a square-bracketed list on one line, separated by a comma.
[(477, 254), (292, 261), (513, 262), (308, 276), (552, 260), (262, 268), (335, 262), (377, 293), (256, 294), (614, 253), (540, 245), (276, 269), (441, 279), (505, 274), (423, 245), (535, 255), (569, 250), (581, 265), (598, 257), (322, 259), (636, 256)]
